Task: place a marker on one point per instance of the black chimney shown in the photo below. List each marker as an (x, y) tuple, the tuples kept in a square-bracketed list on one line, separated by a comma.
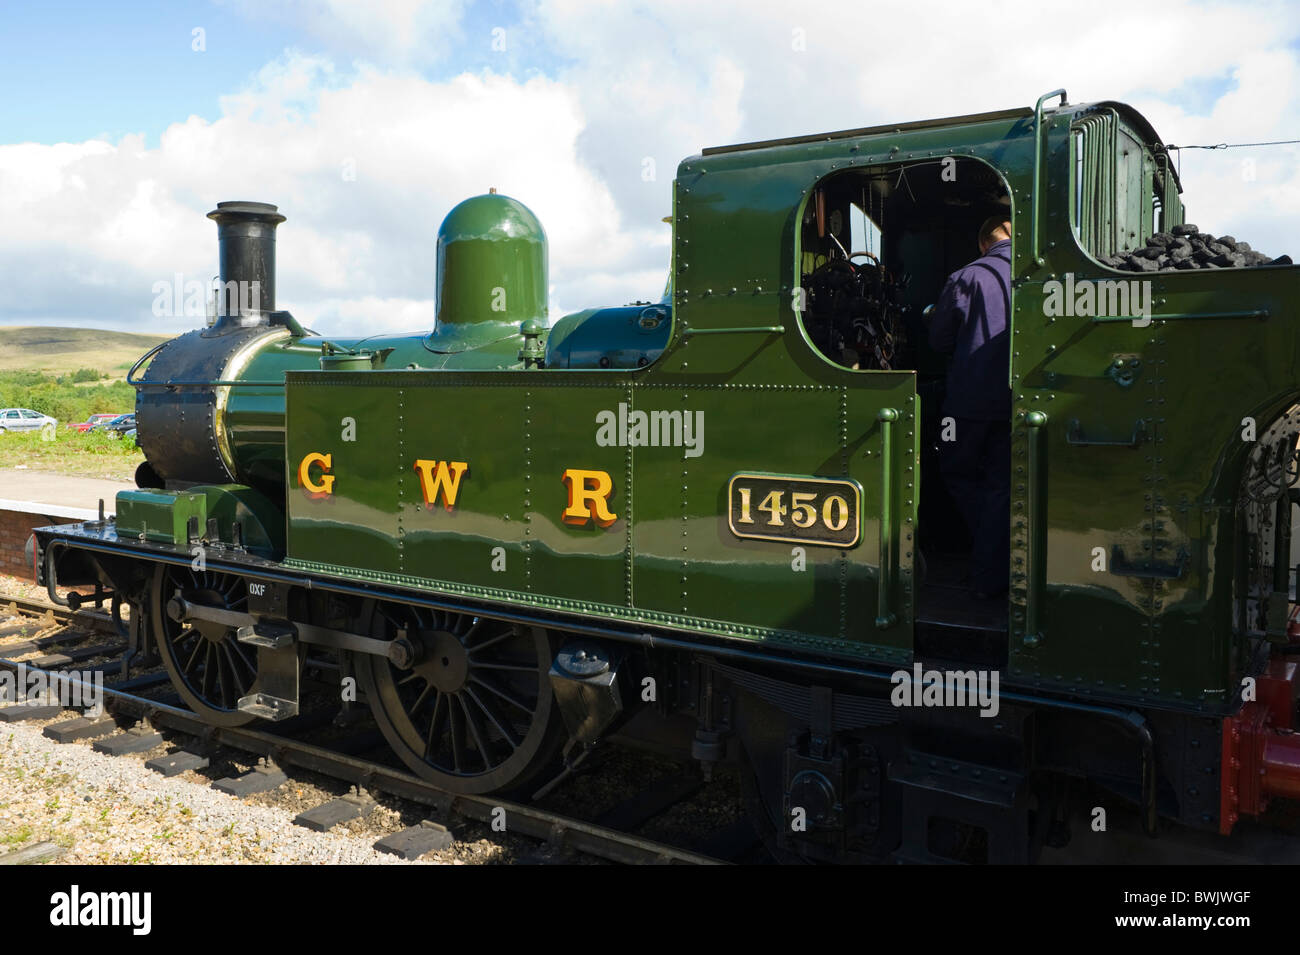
[(246, 237)]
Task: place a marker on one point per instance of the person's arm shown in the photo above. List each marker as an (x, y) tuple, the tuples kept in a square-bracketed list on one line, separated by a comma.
[(948, 315)]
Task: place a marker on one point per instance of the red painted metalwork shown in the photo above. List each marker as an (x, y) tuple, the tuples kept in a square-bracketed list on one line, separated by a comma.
[(1261, 749)]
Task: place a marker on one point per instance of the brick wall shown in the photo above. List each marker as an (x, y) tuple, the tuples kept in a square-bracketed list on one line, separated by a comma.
[(15, 528)]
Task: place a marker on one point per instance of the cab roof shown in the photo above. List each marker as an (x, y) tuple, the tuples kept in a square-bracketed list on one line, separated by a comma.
[(1136, 121)]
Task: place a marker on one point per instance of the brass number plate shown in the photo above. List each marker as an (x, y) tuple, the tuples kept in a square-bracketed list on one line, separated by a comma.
[(802, 510)]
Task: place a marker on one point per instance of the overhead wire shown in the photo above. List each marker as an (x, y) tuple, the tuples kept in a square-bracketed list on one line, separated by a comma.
[(1275, 142)]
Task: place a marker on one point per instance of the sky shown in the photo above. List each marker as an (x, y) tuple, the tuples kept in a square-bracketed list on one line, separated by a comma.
[(366, 121)]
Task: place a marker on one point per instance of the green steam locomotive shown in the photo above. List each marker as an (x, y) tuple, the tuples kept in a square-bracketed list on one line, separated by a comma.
[(716, 519)]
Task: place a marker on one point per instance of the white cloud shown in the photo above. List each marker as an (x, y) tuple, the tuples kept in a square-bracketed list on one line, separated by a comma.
[(1252, 193), (365, 172), (670, 78), (99, 222)]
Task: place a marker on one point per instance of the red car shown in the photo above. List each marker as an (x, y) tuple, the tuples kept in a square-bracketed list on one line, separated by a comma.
[(90, 422)]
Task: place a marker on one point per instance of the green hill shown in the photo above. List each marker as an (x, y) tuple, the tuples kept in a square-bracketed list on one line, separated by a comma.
[(58, 351)]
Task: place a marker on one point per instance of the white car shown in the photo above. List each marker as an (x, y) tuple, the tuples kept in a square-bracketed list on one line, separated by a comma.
[(24, 419)]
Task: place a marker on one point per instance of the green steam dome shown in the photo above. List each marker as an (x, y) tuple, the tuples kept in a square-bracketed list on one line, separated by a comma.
[(491, 264)]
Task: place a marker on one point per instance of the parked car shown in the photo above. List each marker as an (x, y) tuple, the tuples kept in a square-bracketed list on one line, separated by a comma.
[(117, 424), (24, 419), (121, 425), (89, 423)]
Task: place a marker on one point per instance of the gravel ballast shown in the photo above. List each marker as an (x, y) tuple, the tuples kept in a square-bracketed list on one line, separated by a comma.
[(106, 809)]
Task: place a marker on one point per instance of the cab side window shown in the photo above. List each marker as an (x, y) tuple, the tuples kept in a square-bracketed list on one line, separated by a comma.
[(876, 244)]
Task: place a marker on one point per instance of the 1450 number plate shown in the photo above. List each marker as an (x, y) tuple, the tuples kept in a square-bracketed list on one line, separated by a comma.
[(804, 510)]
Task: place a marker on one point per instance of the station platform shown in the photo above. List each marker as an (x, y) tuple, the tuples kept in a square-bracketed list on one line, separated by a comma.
[(66, 491), (30, 498)]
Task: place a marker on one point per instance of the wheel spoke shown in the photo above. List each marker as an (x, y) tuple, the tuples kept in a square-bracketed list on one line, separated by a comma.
[(501, 693), (198, 646), (457, 736), (505, 666), (438, 710), (477, 733), (505, 733), (207, 670), (243, 657), (423, 698), (492, 642), (233, 669), (224, 682)]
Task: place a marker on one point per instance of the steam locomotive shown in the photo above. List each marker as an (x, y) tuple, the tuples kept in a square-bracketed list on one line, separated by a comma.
[(704, 519)]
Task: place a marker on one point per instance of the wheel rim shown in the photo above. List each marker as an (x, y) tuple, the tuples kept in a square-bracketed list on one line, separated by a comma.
[(210, 669), (473, 712)]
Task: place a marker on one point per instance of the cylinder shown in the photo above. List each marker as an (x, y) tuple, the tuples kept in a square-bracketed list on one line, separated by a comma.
[(246, 242)]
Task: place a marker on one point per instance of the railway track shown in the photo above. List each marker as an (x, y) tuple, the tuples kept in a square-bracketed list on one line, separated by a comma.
[(450, 811), (27, 607)]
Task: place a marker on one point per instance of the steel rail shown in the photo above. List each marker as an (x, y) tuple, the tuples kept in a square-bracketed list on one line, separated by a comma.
[(29, 607)]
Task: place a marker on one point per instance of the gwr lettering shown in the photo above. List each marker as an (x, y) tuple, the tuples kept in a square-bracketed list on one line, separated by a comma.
[(314, 488), (589, 493), (440, 479)]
